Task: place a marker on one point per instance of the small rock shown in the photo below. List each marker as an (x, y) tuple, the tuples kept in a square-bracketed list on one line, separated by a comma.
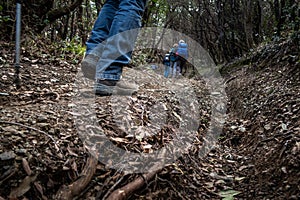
[(8, 155), (42, 118), (21, 151)]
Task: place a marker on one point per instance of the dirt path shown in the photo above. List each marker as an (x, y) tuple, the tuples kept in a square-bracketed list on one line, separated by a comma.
[(256, 157)]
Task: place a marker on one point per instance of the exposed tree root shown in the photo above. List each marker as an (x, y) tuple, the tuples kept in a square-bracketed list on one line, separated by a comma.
[(127, 190), (70, 191)]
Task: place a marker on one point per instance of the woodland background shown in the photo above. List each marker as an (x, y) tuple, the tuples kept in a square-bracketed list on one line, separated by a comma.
[(226, 28)]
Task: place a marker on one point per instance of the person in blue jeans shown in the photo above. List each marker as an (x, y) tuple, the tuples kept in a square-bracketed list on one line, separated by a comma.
[(173, 60), (166, 62), (110, 45)]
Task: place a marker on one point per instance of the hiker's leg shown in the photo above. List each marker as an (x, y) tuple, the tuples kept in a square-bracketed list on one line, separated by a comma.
[(178, 67), (95, 43), (118, 48), (174, 69), (166, 71), (183, 66), (171, 69), (102, 25)]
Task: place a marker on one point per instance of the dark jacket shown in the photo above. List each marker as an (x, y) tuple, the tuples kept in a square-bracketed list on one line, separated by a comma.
[(166, 60), (173, 56)]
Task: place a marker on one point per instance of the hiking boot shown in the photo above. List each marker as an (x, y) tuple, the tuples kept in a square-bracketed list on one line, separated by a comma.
[(114, 87), (88, 66)]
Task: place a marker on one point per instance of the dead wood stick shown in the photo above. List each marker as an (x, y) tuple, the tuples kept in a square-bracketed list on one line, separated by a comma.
[(74, 189), (125, 191), (26, 167), (113, 187)]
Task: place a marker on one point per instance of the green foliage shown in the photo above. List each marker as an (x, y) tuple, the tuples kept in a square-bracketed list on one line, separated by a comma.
[(5, 18), (158, 10), (139, 58), (74, 48)]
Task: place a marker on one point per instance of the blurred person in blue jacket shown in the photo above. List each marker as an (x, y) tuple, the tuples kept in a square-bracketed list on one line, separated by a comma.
[(183, 54)]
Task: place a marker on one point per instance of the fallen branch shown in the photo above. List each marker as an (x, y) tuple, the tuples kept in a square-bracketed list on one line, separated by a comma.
[(127, 190), (70, 191)]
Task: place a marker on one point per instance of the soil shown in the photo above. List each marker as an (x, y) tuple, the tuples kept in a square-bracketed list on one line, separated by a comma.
[(45, 142)]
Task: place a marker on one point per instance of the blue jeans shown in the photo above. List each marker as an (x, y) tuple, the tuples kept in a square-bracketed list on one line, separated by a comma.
[(113, 36), (173, 69), (167, 70)]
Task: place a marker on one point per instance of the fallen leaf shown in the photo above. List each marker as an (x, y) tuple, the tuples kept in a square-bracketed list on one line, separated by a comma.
[(228, 194)]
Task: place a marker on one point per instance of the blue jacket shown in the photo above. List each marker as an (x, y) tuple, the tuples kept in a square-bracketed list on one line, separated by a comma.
[(173, 56), (183, 50)]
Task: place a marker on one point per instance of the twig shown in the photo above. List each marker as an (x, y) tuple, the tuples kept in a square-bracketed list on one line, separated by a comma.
[(127, 190), (106, 182), (113, 187), (32, 128), (229, 80), (14, 170), (288, 136), (56, 94)]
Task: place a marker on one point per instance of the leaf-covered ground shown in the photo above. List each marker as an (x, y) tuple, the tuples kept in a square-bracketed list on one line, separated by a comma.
[(256, 157)]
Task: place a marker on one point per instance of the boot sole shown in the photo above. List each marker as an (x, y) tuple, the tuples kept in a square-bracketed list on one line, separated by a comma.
[(88, 67), (115, 90)]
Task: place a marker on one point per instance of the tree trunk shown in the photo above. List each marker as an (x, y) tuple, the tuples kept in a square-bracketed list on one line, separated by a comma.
[(258, 19), (57, 13), (277, 12), (248, 23)]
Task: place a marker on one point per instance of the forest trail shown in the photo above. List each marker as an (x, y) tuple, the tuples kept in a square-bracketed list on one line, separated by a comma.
[(256, 157)]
